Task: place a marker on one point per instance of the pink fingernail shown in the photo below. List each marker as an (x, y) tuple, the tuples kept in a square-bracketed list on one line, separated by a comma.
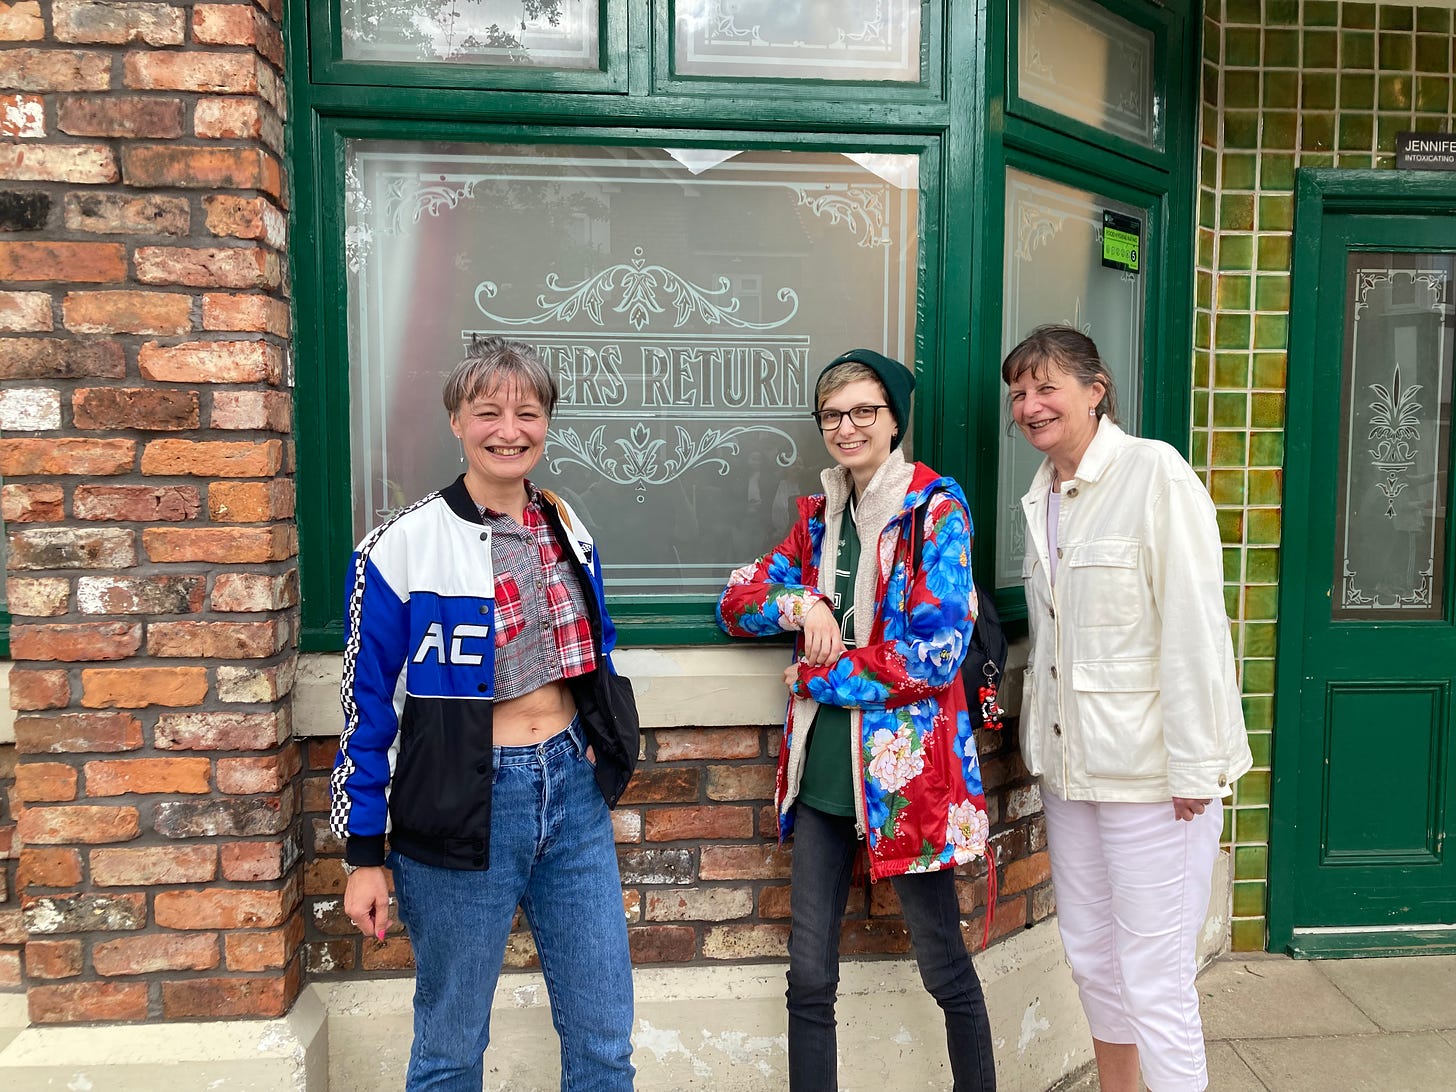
[(380, 934)]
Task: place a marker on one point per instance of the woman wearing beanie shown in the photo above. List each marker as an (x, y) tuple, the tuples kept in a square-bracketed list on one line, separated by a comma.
[(875, 579)]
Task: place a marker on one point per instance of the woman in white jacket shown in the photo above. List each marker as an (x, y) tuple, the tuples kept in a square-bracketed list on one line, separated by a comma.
[(1131, 715)]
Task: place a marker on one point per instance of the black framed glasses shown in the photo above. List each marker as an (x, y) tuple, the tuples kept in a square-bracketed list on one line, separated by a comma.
[(858, 415)]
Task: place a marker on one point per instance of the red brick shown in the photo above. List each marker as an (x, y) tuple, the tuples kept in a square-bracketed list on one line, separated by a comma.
[(56, 261), (1025, 873), (82, 1002), (224, 24), (1010, 916), (128, 313), (48, 868), (763, 862), (149, 954), (22, 116), (215, 998), (394, 954), (247, 776), (148, 775), (92, 163), (255, 591), (64, 455), (663, 786), (266, 950), (76, 733), (252, 684), (38, 690), (212, 362), (322, 752), (139, 687), (248, 266), (699, 903), (217, 640), (128, 116), (140, 595), (699, 823), (754, 782), (21, 22), (51, 959), (48, 69), (173, 503), (678, 744), (31, 504), (223, 311), (662, 943), (28, 312), (212, 73), (10, 979), (151, 865), (157, 165), (881, 937), (250, 502), (122, 214), (746, 942), (37, 597), (329, 956), (85, 825), (71, 548), (223, 545), (30, 409), (220, 459), (229, 119), (316, 795), (252, 861), (219, 908), (12, 927), (245, 218), (773, 902), (138, 408), (221, 731), (79, 643), (89, 22), (57, 358), (270, 410), (38, 782)]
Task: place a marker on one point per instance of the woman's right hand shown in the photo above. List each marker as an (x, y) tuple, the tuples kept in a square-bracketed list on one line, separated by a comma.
[(823, 643), (366, 901)]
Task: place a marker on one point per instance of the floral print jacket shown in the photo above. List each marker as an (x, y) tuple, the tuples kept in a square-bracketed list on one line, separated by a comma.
[(918, 799)]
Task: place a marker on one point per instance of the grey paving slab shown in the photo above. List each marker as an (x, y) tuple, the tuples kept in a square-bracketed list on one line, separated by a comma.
[(1227, 1072), (1408, 993), (1422, 1062), (1265, 998)]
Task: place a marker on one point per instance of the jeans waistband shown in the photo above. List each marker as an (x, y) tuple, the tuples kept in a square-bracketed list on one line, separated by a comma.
[(571, 738)]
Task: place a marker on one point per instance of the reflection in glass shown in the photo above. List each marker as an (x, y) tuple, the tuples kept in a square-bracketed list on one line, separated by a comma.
[(799, 39), (1084, 62), (529, 33), (1395, 428), (1054, 273), (686, 301)]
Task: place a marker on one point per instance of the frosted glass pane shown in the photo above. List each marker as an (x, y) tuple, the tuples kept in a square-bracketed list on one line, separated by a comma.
[(1084, 62), (1396, 436), (528, 33), (687, 300), (1054, 273), (847, 40)]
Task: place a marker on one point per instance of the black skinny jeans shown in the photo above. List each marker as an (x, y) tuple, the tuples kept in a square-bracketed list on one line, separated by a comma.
[(823, 861)]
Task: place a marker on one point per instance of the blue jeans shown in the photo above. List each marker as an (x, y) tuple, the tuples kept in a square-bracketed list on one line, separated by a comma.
[(552, 853), (825, 847)]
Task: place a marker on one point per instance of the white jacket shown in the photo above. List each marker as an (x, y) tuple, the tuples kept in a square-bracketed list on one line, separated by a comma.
[(1130, 690)]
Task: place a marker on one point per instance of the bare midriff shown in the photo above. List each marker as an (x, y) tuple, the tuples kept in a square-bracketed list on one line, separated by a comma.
[(533, 718)]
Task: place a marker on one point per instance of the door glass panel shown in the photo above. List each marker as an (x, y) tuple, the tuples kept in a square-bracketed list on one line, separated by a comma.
[(1090, 65), (848, 40), (686, 299), (1054, 273), (1395, 424), (528, 33)]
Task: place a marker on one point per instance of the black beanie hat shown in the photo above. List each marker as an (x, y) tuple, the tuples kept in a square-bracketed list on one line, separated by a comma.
[(897, 380)]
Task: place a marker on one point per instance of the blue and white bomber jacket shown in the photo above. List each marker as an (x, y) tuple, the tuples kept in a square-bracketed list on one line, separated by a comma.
[(415, 755)]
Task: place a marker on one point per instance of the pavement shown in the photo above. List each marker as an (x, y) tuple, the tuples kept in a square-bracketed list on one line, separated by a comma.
[(1275, 1024)]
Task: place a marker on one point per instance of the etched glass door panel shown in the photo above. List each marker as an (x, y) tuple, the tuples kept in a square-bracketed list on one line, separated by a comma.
[(1086, 63), (530, 33), (686, 298), (1054, 273), (819, 39), (1395, 424)]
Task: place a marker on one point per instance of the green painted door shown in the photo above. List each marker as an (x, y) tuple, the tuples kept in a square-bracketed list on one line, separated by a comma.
[(1365, 782)]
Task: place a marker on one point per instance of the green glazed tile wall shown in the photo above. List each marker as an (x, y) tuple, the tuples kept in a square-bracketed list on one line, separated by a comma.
[(1286, 83)]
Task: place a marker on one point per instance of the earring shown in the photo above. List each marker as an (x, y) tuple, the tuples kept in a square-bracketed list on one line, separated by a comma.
[(1091, 411), (462, 449)]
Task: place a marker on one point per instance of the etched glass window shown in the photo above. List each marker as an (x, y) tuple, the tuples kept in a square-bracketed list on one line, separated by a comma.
[(528, 33), (686, 298), (799, 39), (1086, 63), (1054, 273), (1395, 427)]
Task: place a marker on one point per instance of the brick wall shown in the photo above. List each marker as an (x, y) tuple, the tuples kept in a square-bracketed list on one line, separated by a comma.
[(148, 499), (703, 877)]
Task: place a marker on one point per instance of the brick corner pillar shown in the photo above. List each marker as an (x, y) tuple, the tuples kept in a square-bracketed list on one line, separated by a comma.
[(149, 503)]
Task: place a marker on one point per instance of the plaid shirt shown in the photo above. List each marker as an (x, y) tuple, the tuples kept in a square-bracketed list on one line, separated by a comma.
[(542, 631)]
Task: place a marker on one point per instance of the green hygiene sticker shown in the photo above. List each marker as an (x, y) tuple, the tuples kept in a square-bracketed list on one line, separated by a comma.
[(1121, 242)]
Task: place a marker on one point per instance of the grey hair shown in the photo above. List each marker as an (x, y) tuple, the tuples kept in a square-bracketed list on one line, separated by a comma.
[(491, 361), (841, 376), (1072, 351)]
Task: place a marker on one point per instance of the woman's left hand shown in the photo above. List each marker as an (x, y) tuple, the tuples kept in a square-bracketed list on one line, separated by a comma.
[(1186, 807), (791, 675)]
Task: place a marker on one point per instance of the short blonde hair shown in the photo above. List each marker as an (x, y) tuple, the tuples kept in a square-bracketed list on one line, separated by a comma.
[(492, 361)]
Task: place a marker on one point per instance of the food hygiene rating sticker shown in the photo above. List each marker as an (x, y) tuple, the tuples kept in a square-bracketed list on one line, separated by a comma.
[(1121, 241)]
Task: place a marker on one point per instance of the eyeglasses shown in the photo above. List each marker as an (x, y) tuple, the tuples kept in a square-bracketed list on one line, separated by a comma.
[(859, 415)]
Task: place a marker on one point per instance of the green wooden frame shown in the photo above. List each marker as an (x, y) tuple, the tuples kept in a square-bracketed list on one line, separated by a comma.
[(1317, 193), (956, 119)]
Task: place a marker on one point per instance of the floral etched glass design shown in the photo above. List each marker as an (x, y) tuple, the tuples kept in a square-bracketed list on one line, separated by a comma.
[(1395, 430), (1084, 62), (798, 39), (527, 33), (685, 298), (1053, 272)]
